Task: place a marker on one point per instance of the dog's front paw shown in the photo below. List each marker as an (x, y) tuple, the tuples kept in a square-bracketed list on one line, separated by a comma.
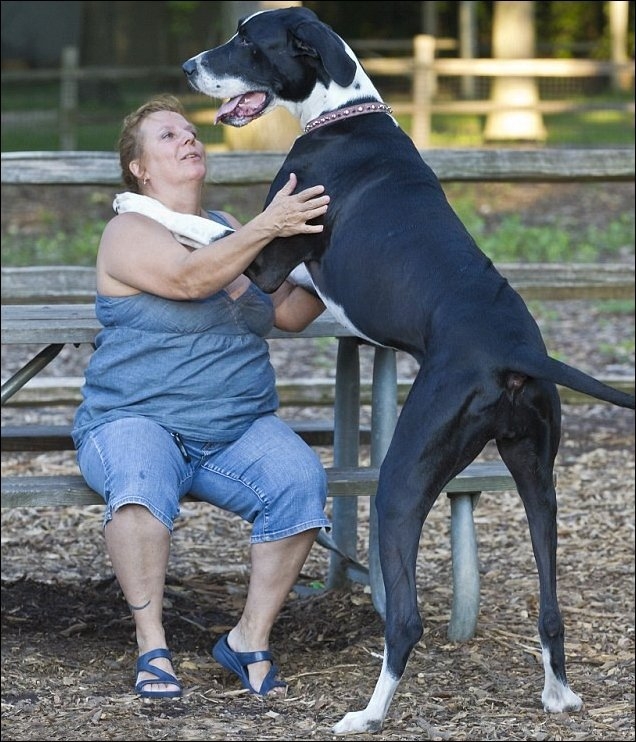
[(197, 231), (189, 229)]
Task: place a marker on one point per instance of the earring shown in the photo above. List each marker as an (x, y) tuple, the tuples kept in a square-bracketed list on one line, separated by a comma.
[(145, 181)]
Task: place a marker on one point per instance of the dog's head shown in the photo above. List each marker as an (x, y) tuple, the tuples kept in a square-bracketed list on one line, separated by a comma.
[(284, 57)]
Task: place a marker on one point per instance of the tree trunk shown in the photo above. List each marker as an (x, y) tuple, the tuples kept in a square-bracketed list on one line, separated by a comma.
[(468, 42), (513, 38), (618, 11)]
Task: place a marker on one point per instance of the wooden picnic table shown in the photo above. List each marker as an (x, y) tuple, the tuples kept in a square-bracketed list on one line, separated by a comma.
[(53, 326)]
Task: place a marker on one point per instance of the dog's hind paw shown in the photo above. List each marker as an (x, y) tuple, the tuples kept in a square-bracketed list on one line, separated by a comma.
[(357, 722)]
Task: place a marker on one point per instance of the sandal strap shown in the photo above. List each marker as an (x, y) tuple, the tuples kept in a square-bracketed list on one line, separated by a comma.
[(162, 676), (248, 658), (270, 681), (153, 655)]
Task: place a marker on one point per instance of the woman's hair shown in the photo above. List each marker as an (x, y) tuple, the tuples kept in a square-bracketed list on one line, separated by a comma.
[(129, 144)]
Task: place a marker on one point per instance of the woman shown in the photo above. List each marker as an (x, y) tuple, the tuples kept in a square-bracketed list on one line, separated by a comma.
[(179, 397)]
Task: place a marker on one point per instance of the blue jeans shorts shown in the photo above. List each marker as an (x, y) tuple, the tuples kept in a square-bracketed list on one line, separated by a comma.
[(269, 477)]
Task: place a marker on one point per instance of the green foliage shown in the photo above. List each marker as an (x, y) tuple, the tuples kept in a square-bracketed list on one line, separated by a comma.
[(621, 351), (508, 240), (619, 306), (513, 241), (77, 247), (180, 15)]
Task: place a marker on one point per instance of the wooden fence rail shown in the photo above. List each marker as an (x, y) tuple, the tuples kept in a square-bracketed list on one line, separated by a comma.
[(253, 168), (423, 69)]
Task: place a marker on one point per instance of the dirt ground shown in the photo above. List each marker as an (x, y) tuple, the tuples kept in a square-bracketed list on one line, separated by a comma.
[(68, 650)]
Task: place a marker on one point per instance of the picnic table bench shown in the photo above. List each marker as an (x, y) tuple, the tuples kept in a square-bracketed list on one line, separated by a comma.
[(52, 307)]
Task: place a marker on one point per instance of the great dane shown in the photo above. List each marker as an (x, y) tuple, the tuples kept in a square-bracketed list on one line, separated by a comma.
[(395, 264)]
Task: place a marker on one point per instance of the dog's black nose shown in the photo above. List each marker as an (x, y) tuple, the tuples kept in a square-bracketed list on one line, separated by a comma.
[(189, 67)]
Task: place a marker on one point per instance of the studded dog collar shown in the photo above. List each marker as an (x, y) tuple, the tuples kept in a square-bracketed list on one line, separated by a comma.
[(342, 113)]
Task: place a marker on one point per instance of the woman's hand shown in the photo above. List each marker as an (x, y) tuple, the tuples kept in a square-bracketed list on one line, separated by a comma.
[(289, 212)]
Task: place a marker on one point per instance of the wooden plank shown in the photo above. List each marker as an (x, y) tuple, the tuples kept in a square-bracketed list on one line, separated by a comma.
[(570, 281), (48, 391), (47, 491), (319, 392), (19, 438), (458, 67), (42, 324), (36, 438), (42, 284), (247, 168), (72, 490), (547, 281), (536, 67)]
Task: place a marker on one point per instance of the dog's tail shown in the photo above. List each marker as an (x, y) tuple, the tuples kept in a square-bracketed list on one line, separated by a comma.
[(545, 367)]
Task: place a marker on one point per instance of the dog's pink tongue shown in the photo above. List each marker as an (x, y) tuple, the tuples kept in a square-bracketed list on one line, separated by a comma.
[(243, 105), (227, 108)]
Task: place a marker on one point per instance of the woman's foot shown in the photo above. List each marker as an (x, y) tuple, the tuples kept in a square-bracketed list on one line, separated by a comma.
[(155, 675), (255, 669)]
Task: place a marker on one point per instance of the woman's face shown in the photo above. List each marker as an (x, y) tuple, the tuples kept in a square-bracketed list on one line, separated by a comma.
[(172, 154)]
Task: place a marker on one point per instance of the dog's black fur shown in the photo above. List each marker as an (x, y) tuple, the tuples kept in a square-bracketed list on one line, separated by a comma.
[(395, 263)]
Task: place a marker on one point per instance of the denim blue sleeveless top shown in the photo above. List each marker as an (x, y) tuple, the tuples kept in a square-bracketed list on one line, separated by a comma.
[(200, 368)]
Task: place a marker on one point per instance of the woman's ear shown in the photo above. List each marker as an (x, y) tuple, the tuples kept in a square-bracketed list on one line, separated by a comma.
[(135, 168)]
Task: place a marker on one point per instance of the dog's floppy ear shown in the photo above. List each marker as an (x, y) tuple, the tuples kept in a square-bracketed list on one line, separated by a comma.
[(318, 40)]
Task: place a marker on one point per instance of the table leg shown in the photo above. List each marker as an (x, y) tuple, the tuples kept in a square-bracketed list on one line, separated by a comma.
[(463, 621), (29, 370), (346, 444)]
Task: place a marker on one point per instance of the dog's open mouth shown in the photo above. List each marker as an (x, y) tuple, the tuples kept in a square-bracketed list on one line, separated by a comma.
[(242, 109)]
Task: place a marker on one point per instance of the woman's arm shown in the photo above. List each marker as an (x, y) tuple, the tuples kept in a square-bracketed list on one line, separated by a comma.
[(295, 307), (137, 253)]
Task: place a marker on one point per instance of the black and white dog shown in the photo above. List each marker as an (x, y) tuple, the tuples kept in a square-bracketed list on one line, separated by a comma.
[(395, 264)]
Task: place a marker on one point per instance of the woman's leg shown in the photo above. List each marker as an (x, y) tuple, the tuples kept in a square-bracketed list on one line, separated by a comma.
[(272, 479), (275, 569), (139, 546), (136, 466)]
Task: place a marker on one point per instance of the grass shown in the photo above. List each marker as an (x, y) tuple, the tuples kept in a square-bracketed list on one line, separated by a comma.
[(599, 128), (510, 240), (99, 115), (103, 105), (513, 241), (77, 246)]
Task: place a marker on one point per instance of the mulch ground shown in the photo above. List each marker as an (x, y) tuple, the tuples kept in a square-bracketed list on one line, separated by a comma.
[(68, 650)]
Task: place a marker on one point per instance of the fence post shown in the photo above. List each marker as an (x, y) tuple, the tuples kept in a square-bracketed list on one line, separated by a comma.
[(69, 98), (423, 89), (468, 43)]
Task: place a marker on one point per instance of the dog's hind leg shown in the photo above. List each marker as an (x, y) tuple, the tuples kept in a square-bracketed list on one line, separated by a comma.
[(530, 458)]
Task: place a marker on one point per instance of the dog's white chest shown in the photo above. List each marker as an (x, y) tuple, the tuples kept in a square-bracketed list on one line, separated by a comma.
[(340, 316)]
